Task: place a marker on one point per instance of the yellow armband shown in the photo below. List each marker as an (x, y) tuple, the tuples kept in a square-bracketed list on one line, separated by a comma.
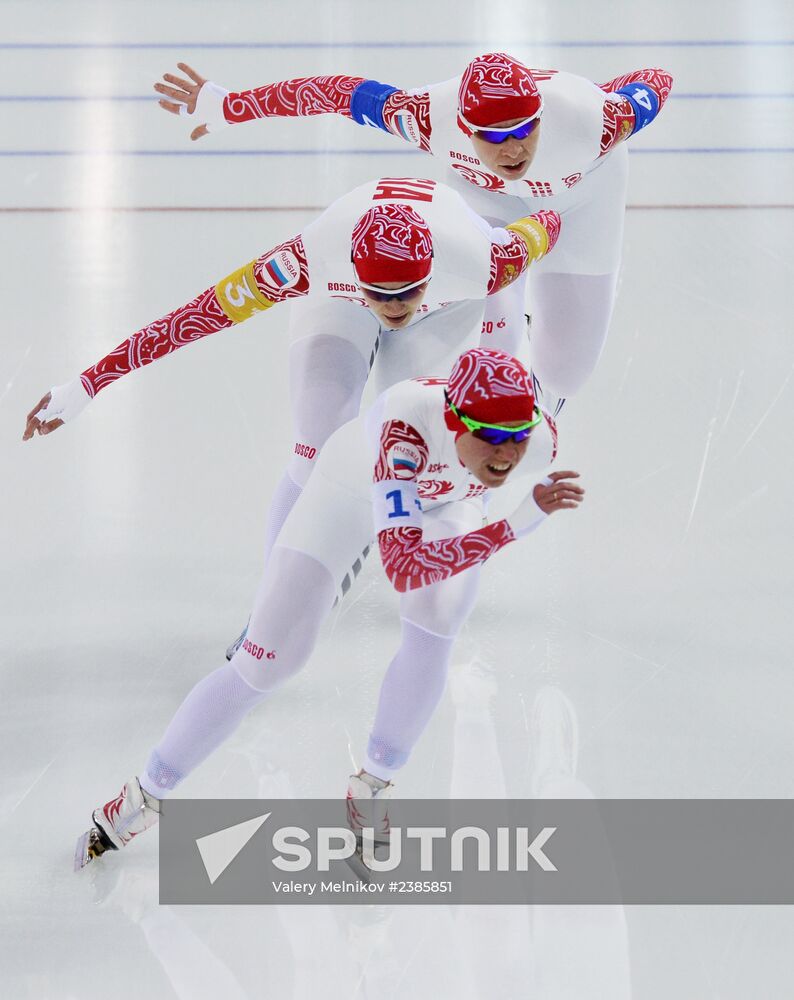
[(534, 235), (239, 296)]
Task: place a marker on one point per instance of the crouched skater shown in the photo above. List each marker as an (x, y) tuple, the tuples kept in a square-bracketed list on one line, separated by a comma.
[(414, 471)]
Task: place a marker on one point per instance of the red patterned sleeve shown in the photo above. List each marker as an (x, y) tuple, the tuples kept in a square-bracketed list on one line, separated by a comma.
[(659, 79), (408, 117), (310, 95), (619, 114), (405, 115), (409, 561), (280, 274), (530, 239), (508, 261)]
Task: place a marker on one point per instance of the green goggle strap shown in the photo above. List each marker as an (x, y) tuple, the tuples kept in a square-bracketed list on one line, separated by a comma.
[(474, 425)]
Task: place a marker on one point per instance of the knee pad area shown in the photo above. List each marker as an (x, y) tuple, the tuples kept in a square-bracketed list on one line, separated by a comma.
[(291, 604), (441, 609), (327, 379)]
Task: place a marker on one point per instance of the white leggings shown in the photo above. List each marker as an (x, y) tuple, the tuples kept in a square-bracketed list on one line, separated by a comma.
[(327, 530), (570, 322), (570, 294)]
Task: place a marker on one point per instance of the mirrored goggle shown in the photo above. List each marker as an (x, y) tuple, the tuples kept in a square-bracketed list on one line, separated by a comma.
[(500, 435), (404, 294), (499, 135)]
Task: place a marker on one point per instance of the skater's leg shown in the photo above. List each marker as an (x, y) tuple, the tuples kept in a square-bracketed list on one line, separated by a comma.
[(571, 293), (281, 636), (570, 322), (324, 535), (333, 345), (411, 689), (416, 676)]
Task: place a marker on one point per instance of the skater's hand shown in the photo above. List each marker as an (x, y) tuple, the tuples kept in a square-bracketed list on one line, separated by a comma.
[(35, 425), (61, 403), (195, 97), (556, 493)]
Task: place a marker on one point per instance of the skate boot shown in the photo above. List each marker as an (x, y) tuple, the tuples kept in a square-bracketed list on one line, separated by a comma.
[(117, 822), (232, 649), (367, 806), (555, 741)]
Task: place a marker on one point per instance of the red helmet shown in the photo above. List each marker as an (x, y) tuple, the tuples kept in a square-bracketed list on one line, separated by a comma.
[(489, 386), (496, 88), (392, 242)]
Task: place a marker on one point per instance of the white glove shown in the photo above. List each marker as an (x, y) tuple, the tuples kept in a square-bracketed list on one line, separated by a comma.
[(66, 402), (209, 107), (527, 516)]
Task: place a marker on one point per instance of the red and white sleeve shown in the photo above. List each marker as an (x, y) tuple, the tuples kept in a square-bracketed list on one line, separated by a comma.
[(520, 244), (619, 116), (405, 115), (409, 561), (309, 95), (277, 275)]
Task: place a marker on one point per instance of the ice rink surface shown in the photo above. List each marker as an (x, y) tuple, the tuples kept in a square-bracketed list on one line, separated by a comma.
[(131, 540)]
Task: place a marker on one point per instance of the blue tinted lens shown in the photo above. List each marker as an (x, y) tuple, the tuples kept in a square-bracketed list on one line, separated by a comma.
[(495, 435), (400, 296), (520, 132)]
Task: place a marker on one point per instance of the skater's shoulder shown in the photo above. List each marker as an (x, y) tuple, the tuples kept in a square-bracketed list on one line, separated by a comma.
[(416, 397), (570, 102)]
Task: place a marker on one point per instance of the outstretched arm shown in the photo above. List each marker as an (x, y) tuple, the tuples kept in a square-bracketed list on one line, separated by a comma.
[(409, 561), (277, 275), (634, 100), (366, 102)]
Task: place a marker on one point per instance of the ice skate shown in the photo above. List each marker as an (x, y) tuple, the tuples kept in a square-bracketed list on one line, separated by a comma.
[(233, 647), (548, 401), (555, 739), (367, 807), (117, 822)]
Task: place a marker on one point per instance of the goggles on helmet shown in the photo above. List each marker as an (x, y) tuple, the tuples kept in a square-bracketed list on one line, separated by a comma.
[(406, 293), (500, 135), (496, 433)]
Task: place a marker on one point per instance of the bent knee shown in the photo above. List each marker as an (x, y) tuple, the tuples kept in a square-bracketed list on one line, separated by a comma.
[(265, 665)]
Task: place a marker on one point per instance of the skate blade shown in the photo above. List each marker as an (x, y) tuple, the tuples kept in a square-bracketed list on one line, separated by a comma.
[(356, 864), (232, 649), (88, 847), (81, 855)]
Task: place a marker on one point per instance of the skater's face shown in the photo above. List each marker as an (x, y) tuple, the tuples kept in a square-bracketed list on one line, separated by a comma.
[(510, 159), (395, 313), (490, 463)]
